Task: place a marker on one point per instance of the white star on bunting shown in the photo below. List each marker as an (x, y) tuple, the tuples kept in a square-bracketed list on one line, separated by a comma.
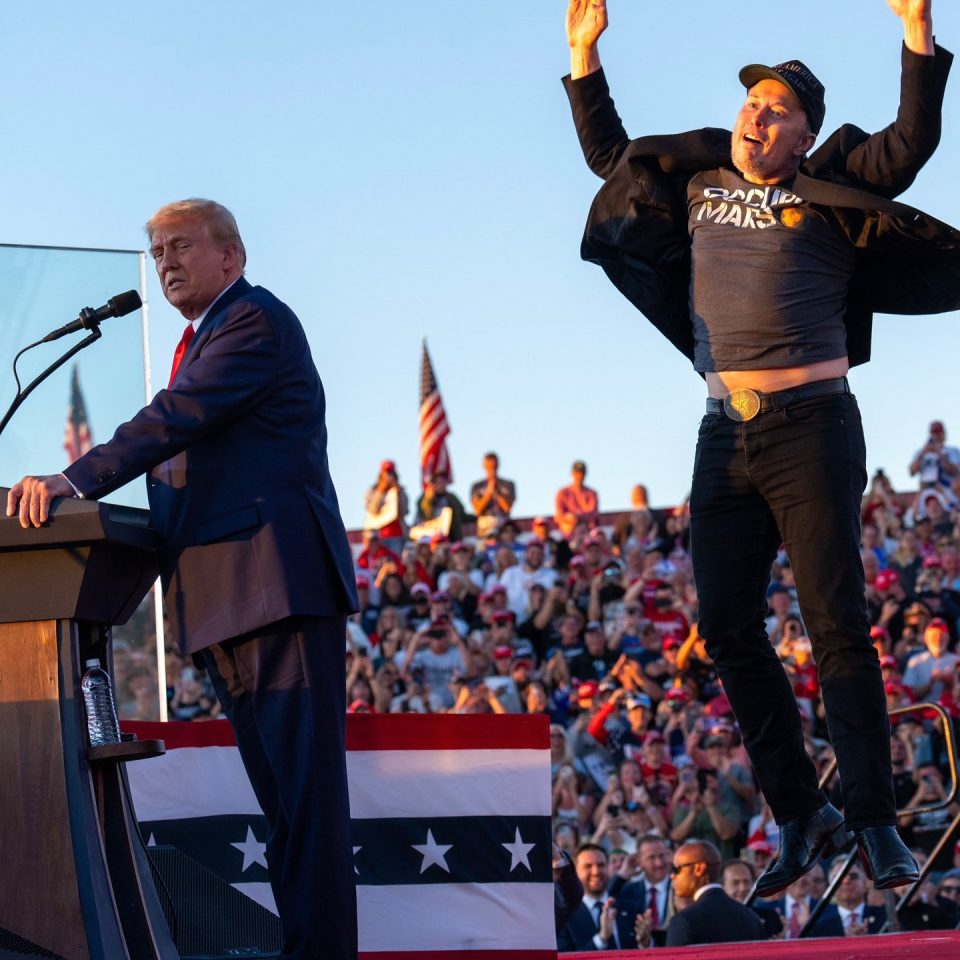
[(518, 851), (433, 853), (253, 851)]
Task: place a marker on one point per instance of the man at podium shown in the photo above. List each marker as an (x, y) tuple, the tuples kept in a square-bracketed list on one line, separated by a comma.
[(255, 565)]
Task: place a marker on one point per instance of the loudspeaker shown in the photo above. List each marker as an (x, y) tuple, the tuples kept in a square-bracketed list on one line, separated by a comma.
[(208, 919)]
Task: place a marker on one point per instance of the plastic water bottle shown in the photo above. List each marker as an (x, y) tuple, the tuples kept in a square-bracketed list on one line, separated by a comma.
[(102, 724)]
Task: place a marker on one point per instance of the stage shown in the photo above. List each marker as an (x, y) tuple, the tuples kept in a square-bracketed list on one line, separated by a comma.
[(920, 945)]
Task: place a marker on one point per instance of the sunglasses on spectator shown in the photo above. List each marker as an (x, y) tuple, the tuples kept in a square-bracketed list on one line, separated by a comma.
[(950, 890), (677, 867)]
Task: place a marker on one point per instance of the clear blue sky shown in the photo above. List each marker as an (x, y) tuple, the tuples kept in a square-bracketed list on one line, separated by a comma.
[(410, 170)]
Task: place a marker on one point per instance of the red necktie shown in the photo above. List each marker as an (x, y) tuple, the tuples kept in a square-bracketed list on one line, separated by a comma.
[(654, 912), (180, 351), (795, 921)]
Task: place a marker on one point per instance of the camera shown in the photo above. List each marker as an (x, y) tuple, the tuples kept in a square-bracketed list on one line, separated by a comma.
[(613, 809)]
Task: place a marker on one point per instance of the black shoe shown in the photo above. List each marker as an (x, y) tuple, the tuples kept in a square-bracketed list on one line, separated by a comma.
[(885, 857), (802, 842)]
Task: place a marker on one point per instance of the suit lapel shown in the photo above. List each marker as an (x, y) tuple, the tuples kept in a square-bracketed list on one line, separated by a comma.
[(239, 289)]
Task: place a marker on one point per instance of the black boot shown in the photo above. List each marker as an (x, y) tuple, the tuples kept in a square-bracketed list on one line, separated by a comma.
[(886, 859), (802, 842)]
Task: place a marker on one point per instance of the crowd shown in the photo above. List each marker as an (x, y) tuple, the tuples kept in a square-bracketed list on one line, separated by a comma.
[(594, 624)]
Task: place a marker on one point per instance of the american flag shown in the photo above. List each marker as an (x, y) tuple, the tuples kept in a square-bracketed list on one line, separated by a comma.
[(77, 439), (450, 828), (434, 428)]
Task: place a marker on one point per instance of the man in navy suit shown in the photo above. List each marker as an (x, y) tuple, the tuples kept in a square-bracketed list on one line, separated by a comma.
[(600, 922), (849, 915), (254, 560), (713, 916)]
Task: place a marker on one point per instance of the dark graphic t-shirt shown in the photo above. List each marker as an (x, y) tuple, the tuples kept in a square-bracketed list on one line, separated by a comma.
[(770, 274)]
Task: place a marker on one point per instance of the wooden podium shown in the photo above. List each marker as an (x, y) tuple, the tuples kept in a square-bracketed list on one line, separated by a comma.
[(75, 880)]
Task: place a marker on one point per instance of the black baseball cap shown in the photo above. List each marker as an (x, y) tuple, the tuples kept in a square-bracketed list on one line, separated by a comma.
[(799, 78)]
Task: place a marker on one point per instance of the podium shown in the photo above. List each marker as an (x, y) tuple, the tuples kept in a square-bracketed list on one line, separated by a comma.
[(75, 881)]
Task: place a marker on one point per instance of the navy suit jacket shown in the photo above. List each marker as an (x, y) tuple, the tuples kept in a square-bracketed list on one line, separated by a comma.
[(714, 918), (578, 934), (829, 923), (238, 481)]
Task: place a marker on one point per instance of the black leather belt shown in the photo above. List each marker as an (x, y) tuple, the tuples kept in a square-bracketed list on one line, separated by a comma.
[(745, 404)]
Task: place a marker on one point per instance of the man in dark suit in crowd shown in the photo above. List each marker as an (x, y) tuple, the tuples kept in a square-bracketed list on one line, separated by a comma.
[(849, 915), (713, 917), (738, 878), (254, 560), (600, 922), (651, 888)]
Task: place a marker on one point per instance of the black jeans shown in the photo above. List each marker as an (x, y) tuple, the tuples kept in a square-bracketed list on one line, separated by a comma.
[(795, 476)]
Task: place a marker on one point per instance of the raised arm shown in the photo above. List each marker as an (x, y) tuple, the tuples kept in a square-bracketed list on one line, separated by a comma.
[(601, 133), (888, 161)]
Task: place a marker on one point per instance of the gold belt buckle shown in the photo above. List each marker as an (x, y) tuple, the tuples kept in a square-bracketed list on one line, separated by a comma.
[(741, 405)]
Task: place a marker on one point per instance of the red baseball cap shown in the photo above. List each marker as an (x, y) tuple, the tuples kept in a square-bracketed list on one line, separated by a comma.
[(388, 466), (678, 693), (886, 579), (587, 690), (503, 651)]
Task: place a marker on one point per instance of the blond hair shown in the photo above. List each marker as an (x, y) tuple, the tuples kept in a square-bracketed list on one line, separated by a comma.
[(219, 220)]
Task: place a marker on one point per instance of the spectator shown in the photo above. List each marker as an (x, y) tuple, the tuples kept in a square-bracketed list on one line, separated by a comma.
[(369, 612), (948, 897), (737, 878), (492, 498), (439, 650), (935, 462), (625, 739), (713, 916), (375, 553), (781, 605), (596, 660), (930, 672), (503, 559), (566, 837), (699, 811), (924, 828), (652, 887), (795, 906), (576, 502), (519, 578), (386, 506), (849, 915), (886, 606), (598, 923), (461, 560), (436, 498), (906, 560)]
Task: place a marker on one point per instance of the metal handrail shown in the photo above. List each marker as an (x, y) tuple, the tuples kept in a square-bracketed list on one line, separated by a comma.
[(949, 834), (830, 772)]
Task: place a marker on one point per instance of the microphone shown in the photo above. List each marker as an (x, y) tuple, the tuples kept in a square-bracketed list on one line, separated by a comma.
[(118, 306)]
